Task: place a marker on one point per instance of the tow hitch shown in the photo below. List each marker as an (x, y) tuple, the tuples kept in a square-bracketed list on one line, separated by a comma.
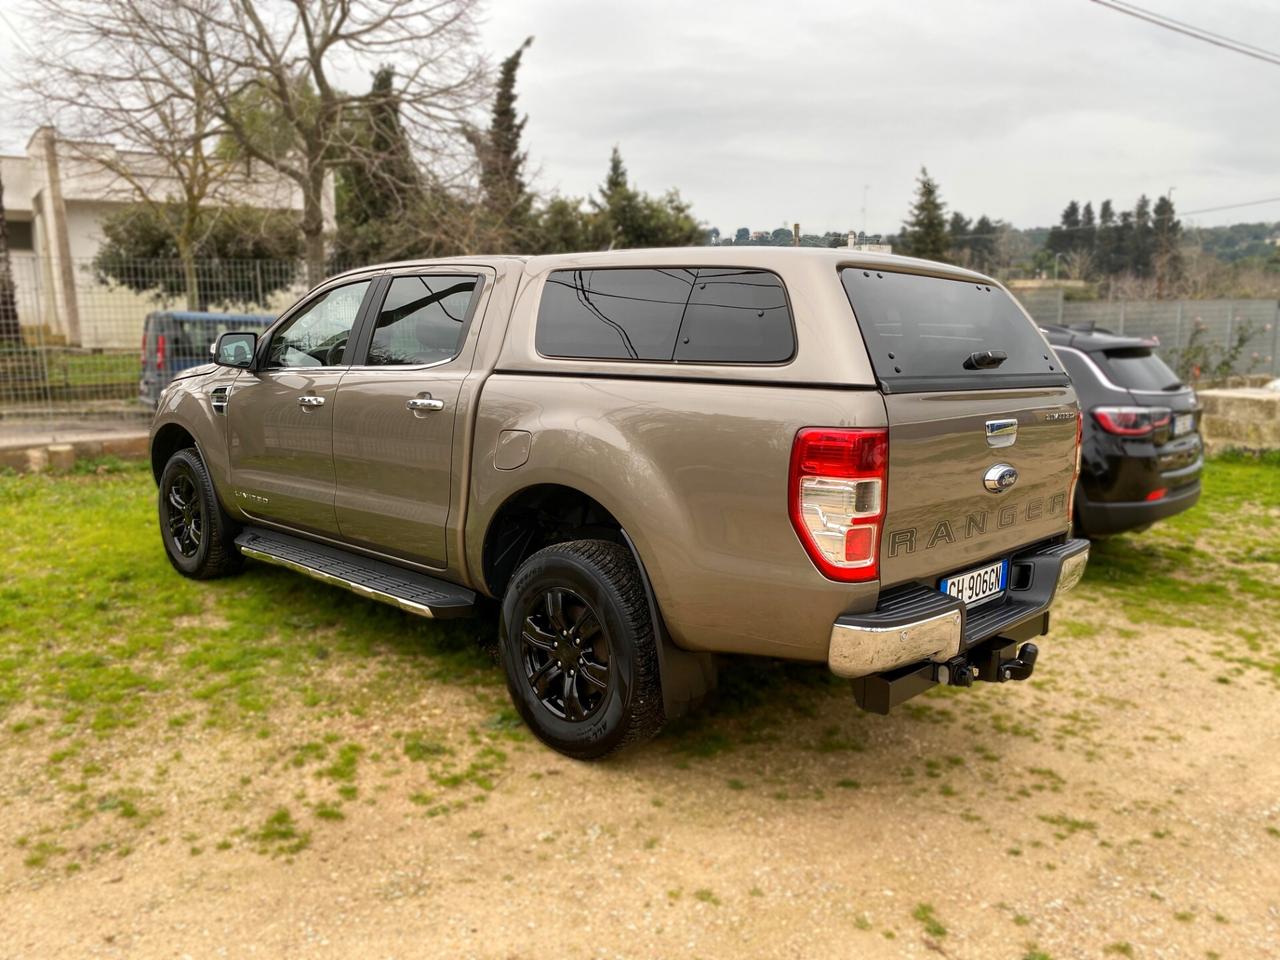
[(992, 662)]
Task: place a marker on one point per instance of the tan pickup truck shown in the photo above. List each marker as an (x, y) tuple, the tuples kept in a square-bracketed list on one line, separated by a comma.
[(649, 458)]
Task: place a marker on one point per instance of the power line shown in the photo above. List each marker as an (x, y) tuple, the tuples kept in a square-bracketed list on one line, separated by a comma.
[(1186, 29), (1231, 206)]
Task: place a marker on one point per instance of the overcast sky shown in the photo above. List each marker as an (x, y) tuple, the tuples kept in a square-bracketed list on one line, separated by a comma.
[(765, 112)]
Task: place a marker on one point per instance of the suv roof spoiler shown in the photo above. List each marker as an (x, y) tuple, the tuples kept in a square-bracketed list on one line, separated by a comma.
[(1090, 336)]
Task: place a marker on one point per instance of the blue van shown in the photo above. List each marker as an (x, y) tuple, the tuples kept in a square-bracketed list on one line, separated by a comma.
[(173, 340)]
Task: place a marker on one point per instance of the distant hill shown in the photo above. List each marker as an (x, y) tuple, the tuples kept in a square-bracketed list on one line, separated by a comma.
[(1236, 242)]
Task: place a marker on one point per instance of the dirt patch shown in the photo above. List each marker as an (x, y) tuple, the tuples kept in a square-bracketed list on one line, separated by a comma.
[(1084, 811)]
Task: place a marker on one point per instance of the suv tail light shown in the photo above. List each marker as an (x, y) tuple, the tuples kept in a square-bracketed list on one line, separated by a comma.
[(837, 498), (1132, 421), (160, 345)]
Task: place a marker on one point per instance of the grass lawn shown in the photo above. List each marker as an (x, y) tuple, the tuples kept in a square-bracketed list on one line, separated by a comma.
[(252, 716)]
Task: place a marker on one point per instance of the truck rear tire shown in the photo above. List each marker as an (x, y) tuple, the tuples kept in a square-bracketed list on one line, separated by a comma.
[(579, 649), (199, 537)]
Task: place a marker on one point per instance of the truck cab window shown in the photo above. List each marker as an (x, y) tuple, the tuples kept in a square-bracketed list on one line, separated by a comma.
[(421, 320)]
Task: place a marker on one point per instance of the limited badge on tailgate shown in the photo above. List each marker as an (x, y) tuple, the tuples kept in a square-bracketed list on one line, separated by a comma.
[(976, 586)]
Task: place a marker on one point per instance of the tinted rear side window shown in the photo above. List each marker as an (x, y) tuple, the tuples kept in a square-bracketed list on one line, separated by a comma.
[(612, 314), (695, 315), (1138, 369), (919, 332), (736, 316)]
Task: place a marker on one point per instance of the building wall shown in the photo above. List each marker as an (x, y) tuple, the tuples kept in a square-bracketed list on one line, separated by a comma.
[(57, 289)]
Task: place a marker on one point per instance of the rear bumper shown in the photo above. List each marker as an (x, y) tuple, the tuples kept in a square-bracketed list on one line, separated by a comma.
[(915, 623), (1099, 519)]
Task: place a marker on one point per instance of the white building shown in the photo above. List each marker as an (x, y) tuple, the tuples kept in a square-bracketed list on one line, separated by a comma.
[(55, 200)]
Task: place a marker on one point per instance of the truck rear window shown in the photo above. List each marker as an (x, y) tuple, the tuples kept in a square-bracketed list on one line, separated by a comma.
[(681, 314), (1137, 368), (929, 333)]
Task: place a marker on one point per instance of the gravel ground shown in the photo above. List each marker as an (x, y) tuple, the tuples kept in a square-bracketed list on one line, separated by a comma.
[(1131, 812)]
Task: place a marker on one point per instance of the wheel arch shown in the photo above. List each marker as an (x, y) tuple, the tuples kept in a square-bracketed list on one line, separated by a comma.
[(543, 514), (168, 440)]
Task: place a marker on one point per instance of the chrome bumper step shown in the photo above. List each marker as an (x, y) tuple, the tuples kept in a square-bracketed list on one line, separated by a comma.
[(407, 589)]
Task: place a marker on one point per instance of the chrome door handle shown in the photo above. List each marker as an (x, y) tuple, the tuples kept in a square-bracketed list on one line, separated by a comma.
[(310, 401), (423, 403)]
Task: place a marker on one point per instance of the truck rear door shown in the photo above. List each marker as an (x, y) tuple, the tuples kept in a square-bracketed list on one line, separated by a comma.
[(982, 423)]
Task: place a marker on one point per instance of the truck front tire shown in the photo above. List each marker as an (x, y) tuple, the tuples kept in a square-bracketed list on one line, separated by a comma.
[(199, 537), (579, 650)]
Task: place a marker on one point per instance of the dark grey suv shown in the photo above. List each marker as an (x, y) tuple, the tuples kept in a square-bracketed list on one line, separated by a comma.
[(1141, 454)]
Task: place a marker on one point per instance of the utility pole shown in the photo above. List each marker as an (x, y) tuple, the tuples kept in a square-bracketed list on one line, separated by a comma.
[(795, 234)]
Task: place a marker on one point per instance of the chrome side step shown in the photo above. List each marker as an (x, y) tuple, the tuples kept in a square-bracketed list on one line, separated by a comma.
[(410, 591)]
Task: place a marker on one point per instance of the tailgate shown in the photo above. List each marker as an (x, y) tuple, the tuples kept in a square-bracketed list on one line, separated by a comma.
[(941, 517)]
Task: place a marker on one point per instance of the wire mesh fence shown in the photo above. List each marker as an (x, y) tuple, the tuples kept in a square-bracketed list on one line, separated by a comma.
[(91, 349), (98, 341), (1197, 335)]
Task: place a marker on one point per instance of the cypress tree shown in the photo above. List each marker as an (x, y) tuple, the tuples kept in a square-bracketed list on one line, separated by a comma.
[(507, 200)]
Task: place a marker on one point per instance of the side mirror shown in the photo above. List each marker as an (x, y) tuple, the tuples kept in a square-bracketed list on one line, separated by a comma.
[(235, 350)]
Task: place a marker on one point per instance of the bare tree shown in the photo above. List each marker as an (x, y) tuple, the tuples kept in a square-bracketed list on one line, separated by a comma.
[(116, 78), (273, 68)]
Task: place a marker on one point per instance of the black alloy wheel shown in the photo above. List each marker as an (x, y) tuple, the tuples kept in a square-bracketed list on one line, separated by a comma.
[(565, 652), (198, 535), (184, 513)]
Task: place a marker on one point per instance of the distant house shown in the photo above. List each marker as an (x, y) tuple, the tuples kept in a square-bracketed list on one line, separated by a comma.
[(55, 200)]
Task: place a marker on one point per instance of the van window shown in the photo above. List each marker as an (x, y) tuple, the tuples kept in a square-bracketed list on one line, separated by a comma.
[(689, 314), (920, 331), (1137, 368)]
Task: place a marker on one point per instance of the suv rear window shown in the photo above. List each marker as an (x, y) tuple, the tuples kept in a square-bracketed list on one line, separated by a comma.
[(1137, 368), (689, 314), (919, 332)]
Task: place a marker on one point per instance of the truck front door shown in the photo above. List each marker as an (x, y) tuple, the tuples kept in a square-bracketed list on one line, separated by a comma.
[(280, 417)]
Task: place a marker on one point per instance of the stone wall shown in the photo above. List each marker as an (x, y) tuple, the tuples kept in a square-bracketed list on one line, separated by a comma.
[(1244, 417)]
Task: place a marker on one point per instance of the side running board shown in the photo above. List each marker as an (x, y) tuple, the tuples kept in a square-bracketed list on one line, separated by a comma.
[(415, 592)]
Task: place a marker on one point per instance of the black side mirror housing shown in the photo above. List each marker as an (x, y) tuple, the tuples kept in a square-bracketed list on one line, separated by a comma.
[(235, 350)]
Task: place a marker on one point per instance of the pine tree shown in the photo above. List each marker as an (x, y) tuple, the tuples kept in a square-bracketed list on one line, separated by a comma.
[(1141, 245), (625, 217), (1166, 257), (1107, 247), (925, 232)]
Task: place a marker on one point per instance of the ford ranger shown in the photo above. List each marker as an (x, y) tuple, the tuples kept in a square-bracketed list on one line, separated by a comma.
[(648, 458)]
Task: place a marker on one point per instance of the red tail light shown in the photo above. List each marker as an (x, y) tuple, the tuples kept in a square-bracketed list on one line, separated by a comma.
[(160, 345), (837, 499), (1132, 421), (1157, 494)]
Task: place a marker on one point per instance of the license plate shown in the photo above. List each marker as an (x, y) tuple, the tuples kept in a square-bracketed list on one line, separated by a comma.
[(975, 586), (1183, 423)]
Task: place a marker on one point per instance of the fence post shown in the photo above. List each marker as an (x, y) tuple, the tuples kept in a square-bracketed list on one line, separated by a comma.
[(1275, 341), (1177, 337), (1060, 299), (1231, 310), (1121, 330)]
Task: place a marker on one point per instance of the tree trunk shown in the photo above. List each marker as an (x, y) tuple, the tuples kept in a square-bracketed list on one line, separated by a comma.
[(10, 331), (313, 224)]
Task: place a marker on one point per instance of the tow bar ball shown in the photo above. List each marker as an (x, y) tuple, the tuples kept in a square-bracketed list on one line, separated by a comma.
[(993, 668)]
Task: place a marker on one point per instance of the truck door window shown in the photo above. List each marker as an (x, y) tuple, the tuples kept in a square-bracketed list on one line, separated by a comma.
[(317, 335), (421, 320)]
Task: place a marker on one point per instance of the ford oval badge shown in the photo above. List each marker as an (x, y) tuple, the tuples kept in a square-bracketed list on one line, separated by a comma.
[(1000, 478)]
